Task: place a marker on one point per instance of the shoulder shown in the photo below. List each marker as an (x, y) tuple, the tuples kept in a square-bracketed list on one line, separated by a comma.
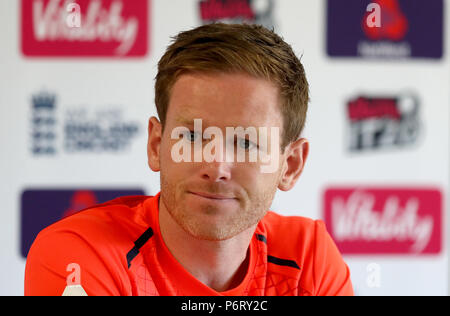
[(106, 231), (120, 215), (96, 240), (297, 237), (298, 230), (307, 242)]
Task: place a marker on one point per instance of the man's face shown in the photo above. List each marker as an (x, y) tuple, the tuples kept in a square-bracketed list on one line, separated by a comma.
[(218, 200)]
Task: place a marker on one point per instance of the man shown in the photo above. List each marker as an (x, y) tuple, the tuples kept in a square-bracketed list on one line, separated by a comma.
[(209, 231)]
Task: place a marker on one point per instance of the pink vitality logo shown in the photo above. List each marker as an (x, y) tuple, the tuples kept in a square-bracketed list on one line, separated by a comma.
[(107, 28), (384, 220)]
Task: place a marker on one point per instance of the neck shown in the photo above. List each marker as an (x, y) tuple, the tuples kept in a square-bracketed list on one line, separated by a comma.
[(221, 265)]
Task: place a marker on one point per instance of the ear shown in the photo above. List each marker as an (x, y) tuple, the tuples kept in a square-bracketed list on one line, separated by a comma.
[(294, 161), (154, 143)]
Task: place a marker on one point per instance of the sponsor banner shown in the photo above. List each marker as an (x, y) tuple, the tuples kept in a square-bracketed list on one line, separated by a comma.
[(81, 129), (41, 208), (385, 28), (84, 28), (378, 122), (237, 11), (393, 221)]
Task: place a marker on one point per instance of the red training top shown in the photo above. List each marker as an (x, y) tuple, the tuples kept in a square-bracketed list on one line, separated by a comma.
[(118, 249)]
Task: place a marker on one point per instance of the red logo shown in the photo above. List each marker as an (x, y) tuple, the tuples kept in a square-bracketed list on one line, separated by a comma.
[(384, 221), (211, 10), (394, 23), (108, 28), (363, 108), (79, 201)]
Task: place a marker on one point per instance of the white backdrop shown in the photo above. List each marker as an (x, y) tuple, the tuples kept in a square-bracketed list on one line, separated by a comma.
[(103, 84)]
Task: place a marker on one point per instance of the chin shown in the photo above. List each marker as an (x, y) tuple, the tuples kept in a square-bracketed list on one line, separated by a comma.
[(213, 234), (211, 224)]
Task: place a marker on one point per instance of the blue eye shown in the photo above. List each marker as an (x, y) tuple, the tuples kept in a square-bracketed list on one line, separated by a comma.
[(191, 136), (246, 144)]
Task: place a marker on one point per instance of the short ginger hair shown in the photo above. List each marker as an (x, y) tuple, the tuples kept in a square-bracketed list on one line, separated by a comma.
[(238, 48)]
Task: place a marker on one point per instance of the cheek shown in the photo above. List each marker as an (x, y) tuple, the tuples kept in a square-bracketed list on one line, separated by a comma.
[(170, 171), (166, 156), (256, 183)]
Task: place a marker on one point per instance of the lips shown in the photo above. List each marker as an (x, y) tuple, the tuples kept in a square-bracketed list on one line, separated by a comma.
[(213, 196)]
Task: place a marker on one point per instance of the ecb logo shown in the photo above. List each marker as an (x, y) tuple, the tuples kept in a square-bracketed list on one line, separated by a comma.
[(43, 124)]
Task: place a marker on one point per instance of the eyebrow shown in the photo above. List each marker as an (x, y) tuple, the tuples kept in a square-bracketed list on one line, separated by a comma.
[(190, 121), (184, 120)]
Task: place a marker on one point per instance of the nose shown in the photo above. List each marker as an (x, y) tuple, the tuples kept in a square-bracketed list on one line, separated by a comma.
[(216, 171)]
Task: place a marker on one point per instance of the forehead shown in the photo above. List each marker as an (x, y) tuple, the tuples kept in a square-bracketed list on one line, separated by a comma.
[(222, 99)]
